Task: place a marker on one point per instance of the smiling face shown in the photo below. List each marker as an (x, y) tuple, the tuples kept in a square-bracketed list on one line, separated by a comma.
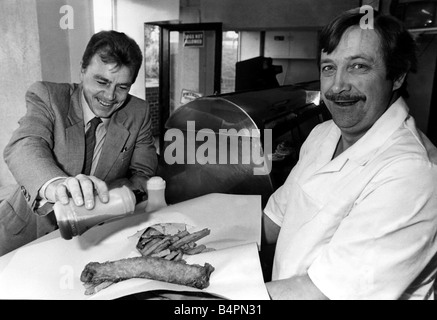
[(354, 83), (105, 86)]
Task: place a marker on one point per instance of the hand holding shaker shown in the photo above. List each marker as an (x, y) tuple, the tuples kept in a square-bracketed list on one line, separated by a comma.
[(156, 194), (73, 220)]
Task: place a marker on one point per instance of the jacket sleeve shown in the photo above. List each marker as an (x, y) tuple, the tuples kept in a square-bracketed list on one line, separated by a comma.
[(29, 153), (144, 161)]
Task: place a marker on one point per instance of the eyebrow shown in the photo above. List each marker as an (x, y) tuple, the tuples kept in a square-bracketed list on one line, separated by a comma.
[(358, 56), (99, 77), (362, 56)]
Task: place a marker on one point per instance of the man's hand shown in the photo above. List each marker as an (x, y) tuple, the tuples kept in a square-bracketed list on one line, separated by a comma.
[(80, 188)]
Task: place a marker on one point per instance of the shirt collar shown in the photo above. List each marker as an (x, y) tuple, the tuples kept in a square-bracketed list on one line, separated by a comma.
[(88, 113), (377, 135)]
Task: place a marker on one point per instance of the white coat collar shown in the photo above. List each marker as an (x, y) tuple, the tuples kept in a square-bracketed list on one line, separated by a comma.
[(367, 146)]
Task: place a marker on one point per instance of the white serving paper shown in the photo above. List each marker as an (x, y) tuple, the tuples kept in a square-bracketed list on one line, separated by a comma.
[(50, 268)]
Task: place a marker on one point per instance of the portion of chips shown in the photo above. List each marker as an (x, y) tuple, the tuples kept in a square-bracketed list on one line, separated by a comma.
[(155, 243)]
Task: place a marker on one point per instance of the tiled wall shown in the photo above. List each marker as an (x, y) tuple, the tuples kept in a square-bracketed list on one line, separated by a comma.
[(152, 97)]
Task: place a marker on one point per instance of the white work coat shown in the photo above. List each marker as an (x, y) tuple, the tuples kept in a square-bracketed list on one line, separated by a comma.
[(364, 224)]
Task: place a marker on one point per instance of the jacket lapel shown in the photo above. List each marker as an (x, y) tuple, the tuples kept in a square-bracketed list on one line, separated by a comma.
[(74, 134), (116, 137), (322, 156)]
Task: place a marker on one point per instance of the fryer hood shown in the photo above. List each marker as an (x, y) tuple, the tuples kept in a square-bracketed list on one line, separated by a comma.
[(257, 115)]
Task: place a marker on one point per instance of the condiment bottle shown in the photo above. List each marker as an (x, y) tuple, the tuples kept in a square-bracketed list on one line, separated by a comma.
[(156, 194), (74, 220)]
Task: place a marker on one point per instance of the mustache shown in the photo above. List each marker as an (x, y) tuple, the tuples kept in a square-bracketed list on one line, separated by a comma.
[(342, 96)]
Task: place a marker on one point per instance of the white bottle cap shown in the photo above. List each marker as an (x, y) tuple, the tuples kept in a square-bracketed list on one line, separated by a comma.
[(155, 183)]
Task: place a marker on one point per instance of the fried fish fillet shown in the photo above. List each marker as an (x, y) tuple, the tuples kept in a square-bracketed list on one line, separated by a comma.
[(176, 272)]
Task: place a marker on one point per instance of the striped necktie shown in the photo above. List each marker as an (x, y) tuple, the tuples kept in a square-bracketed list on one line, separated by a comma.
[(90, 142)]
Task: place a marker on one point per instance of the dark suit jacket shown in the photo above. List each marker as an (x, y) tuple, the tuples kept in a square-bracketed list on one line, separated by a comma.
[(50, 142)]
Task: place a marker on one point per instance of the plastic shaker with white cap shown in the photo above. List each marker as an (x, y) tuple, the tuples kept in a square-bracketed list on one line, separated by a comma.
[(74, 220), (156, 194)]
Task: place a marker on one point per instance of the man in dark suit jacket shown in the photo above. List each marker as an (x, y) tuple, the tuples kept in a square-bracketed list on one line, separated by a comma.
[(46, 154)]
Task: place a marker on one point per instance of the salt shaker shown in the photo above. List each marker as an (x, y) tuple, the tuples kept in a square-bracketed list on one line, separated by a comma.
[(156, 194)]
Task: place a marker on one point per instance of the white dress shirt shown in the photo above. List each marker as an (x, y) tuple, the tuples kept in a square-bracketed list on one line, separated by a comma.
[(88, 115), (364, 224)]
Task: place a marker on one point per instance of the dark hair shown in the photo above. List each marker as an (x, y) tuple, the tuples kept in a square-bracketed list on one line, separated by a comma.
[(397, 44), (114, 47)]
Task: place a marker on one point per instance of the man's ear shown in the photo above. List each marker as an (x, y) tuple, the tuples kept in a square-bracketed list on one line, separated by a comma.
[(82, 71), (399, 81)]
